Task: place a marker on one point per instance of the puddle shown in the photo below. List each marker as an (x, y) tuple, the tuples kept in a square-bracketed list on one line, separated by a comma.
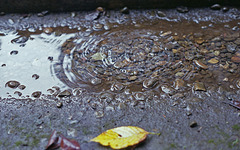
[(23, 61), (168, 55), (164, 56)]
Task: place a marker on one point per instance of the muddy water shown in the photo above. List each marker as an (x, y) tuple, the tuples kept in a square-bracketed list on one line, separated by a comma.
[(160, 52), (167, 53)]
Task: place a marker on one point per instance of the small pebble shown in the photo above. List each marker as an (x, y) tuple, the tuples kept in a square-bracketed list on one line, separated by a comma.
[(133, 78), (14, 52), (149, 83), (199, 129), (96, 81), (51, 91), (117, 87), (200, 64), (199, 41), (216, 7), (35, 76), (179, 83), (225, 79), (168, 90), (213, 61), (72, 132), (100, 9), (235, 28), (216, 53), (166, 33), (20, 40), (18, 93), (11, 21), (21, 87), (182, 9), (12, 84), (188, 113), (73, 14), (99, 114), (125, 10), (199, 86), (68, 100), (50, 58), (97, 27), (193, 124), (43, 13), (48, 30), (161, 14), (59, 104), (107, 26), (36, 94), (235, 59), (225, 9), (65, 93)]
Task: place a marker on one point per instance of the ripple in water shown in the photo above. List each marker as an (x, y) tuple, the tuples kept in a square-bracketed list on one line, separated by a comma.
[(31, 59), (143, 58), (117, 58)]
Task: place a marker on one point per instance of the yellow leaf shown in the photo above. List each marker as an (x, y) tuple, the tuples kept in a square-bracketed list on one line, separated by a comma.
[(121, 137)]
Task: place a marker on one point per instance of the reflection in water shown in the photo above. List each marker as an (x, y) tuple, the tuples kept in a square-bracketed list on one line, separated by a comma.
[(33, 58)]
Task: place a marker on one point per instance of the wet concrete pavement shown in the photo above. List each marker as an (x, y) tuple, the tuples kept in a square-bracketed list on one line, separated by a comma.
[(86, 72)]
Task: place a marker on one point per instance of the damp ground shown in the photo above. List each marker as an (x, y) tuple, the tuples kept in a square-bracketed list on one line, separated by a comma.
[(81, 73)]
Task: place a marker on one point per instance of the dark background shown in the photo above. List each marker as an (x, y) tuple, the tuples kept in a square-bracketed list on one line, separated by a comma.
[(25, 6)]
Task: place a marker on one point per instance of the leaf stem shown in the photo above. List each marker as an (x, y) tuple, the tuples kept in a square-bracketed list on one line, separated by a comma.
[(153, 133)]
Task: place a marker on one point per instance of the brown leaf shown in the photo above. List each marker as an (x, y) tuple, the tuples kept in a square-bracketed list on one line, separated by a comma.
[(67, 144), (56, 141), (53, 142)]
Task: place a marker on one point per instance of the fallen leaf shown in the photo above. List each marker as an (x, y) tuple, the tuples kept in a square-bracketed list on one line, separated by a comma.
[(121, 137), (53, 142), (56, 141), (67, 144)]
